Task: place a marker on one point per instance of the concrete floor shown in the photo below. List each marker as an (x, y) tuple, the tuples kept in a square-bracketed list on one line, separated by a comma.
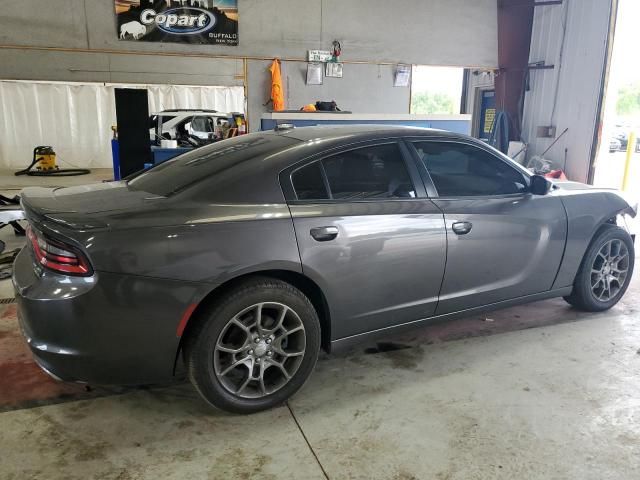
[(9, 182), (534, 392), (561, 401), (609, 170)]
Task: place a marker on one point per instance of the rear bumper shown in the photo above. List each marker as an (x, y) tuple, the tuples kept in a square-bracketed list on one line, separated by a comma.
[(105, 329)]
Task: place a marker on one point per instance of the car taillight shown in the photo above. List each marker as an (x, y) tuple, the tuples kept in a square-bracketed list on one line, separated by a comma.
[(57, 256)]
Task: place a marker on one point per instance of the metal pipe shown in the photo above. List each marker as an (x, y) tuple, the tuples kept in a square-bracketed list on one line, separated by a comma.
[(208, 55), (245, 84)]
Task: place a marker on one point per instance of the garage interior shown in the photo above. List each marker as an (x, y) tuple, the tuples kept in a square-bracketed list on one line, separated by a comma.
[(536, 391)]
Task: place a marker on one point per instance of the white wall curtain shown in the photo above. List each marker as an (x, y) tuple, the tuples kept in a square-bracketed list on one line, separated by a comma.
[(76, 118)]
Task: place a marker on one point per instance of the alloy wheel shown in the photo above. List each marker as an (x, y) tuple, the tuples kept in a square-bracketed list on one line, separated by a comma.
[(609, 270), (259, 350)]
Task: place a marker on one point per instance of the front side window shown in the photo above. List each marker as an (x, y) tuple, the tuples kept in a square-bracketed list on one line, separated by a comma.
[(460, 170), (375, 172)]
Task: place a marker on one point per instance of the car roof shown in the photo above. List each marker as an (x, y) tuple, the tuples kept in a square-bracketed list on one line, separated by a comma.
[(358, 131), (246, 169)]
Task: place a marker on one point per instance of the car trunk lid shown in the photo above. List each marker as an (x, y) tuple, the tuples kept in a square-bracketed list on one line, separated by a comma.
[(75, 207), (100, 197)]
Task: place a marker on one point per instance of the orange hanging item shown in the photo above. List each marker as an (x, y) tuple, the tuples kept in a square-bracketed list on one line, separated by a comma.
[(277, 93)]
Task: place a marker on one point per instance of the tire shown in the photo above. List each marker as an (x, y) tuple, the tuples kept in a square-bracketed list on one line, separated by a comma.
[(589, 287), (232, 381)]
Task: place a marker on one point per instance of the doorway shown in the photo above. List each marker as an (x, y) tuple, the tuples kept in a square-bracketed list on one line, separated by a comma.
[(617, 162)]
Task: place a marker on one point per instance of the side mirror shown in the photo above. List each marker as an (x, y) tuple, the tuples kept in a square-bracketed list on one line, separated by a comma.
[(540, 185)]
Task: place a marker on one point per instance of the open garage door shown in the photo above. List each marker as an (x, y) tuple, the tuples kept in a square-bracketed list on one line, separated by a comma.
[(617, 162), (76, 118)]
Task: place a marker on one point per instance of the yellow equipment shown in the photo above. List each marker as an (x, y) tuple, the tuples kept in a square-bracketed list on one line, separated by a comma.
[(44, 158), (44, 162)]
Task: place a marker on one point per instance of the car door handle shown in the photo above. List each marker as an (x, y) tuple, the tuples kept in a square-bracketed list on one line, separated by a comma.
[(323, 234), (461, 228)]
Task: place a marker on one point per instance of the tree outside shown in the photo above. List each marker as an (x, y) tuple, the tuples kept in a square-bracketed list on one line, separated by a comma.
[(436, 90), (628, 103), (433, 103)]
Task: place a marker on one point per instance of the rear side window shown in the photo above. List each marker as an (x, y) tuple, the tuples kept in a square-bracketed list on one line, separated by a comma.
[(309, 184), (460, 170), (375, 172)]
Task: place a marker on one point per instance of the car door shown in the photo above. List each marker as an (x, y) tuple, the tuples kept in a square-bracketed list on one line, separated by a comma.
[(503, 241), (368, 236)]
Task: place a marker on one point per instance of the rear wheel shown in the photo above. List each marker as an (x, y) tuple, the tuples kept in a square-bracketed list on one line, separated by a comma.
[(605, 271), (254, 348)]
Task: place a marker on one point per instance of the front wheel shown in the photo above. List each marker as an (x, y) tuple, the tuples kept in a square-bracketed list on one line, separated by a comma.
[(255, 347), (605, 271)]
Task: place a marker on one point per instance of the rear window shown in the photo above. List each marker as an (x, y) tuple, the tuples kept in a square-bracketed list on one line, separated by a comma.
[(204, 163)]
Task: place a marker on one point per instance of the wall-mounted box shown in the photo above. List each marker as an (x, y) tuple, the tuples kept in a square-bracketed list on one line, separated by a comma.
[(546, 131)]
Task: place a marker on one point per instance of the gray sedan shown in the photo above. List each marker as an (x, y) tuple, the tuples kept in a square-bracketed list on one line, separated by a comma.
[(235, 263)]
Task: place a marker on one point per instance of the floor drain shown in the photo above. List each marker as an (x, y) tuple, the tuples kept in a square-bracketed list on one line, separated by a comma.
[(6, 301)]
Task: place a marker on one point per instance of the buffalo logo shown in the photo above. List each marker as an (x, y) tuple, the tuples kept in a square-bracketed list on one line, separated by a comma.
[(136, 29), (180, 21)]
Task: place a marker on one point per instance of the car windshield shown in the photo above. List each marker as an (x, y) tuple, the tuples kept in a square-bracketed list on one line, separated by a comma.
[(192, 167)]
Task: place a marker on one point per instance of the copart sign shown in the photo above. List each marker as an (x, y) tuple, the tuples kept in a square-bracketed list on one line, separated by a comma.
[(190, 21)]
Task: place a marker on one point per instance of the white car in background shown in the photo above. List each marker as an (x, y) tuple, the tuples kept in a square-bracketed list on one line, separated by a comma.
[(182, 124), (614, 145), (621, 133)]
